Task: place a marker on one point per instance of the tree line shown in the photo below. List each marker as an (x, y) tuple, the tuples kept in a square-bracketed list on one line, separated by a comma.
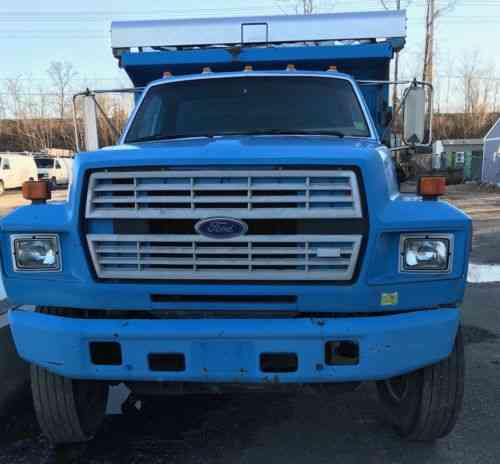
[(34, 118)]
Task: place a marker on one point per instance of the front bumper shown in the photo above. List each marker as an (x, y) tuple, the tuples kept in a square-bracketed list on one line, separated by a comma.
[(228, 350)]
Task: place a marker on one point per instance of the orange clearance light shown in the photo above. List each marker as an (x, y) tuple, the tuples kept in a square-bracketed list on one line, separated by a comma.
[(167, 74), (332, 68), (431, 187), (38, 191), (206, 70), (290, 67), (248, 68)]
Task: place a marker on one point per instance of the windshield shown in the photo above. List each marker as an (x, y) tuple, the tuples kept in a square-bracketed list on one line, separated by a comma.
[(249, 105), (44, 163)]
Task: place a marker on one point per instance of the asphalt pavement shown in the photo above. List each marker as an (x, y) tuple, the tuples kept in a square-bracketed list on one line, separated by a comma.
[(276, 428), (265, 428)]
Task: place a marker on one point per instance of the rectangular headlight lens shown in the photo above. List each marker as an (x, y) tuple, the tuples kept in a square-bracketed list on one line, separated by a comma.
[(426, 253), (36, 253)]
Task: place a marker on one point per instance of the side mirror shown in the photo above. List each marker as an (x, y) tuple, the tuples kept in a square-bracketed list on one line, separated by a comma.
[(414, 115), (90, 123)]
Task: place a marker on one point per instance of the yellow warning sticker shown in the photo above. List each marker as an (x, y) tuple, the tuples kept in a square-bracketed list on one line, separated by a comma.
[(389, 299)]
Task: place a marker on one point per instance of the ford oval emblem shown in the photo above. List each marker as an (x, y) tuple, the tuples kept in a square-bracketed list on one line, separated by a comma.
[(221, 228)]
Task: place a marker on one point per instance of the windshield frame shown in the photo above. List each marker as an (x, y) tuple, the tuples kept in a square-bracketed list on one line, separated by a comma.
[(227, 75)]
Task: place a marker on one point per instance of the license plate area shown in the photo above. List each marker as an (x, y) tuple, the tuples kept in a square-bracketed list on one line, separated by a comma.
[(224, 356)]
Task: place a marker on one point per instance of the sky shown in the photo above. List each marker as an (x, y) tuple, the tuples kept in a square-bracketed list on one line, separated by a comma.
[(33, 33)]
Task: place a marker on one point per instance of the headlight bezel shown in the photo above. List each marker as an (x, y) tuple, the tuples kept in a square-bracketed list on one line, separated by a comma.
[(57, 267), (449, 239)]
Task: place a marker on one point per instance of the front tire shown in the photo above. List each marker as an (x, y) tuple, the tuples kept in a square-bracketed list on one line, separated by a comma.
[(424, 405), (68, 411)]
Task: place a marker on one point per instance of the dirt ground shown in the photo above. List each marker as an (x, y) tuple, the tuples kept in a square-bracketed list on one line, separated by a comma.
[(13, 199), (482, 204)]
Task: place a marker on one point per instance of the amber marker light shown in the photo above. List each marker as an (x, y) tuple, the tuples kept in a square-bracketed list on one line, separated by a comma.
[(38, 191), (431, 187)]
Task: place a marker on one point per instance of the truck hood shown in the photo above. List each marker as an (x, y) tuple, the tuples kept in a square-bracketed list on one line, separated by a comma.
[(246, 150), (368, 156)]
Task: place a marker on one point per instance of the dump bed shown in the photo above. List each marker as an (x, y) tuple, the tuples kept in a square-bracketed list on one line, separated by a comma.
[(359, 44)]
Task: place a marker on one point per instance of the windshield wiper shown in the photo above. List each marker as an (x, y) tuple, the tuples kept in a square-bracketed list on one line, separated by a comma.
[(333, 133), (151, 138)]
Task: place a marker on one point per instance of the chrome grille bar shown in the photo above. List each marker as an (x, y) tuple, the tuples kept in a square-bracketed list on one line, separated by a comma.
[(253, 257), (244, 194)]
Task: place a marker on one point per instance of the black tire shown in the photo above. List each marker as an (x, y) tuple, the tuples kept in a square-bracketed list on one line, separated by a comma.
[(68, 411), (425, 405)]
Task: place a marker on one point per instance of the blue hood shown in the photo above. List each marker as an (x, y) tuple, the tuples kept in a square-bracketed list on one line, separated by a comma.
[(246, 150), (372, 159)]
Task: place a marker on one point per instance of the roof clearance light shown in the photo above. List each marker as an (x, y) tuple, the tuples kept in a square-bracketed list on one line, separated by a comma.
[(290, 67), (332, 68), (431, 187), (206, 70), (167, 74), (248, 68)]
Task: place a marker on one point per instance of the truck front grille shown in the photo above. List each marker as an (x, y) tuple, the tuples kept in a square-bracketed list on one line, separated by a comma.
[(280, 257), (154, 212), (238, 193)]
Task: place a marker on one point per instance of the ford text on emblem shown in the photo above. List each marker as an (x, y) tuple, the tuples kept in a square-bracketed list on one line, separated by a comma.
[(221, 228)]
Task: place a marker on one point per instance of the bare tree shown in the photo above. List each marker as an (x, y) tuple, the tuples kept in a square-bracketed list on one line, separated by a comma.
[(477, 87), (62, 75), (395, 4), (306, 7)]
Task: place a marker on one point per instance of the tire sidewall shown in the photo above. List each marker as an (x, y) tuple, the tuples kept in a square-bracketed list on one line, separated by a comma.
[(403, 414)]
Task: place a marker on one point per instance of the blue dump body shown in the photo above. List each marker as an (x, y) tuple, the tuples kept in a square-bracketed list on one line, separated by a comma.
[(369, 61), (153, 323)]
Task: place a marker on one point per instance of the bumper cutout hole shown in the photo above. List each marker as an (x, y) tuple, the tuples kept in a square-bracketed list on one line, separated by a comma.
[(167, 362), (106, 353), (279, 362), (342, 353)]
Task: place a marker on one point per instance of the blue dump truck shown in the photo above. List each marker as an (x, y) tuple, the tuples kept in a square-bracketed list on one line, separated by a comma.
[(246, 232)]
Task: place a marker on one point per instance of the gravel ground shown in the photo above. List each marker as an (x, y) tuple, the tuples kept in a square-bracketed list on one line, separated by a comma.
[(14, 199), (482, 204)]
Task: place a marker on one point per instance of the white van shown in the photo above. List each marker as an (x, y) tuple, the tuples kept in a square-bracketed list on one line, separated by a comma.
[(54, 169), (15, 169)]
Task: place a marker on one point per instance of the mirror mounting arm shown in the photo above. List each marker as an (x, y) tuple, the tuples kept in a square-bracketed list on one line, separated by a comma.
[(91, 94), (398, 109)]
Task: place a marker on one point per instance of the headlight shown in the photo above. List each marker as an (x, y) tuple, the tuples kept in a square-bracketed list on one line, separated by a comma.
[(36, 253), (431, 253)]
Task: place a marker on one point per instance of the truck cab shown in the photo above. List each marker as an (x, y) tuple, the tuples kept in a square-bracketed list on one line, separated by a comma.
[(247, 231)]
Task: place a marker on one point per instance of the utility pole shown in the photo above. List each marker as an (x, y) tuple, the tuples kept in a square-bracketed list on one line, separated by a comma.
[(396, 69), (428, 72)]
